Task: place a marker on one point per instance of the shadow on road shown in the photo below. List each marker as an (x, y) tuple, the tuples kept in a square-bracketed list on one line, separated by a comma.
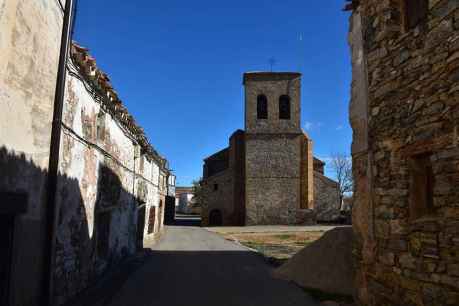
[(208, 278)]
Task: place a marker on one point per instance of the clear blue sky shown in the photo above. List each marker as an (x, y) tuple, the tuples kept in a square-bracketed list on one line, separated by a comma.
[(177, 65)]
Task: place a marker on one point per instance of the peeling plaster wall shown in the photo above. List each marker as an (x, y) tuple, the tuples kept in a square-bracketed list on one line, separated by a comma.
[(98, 220), (362, 213), (29, 51)]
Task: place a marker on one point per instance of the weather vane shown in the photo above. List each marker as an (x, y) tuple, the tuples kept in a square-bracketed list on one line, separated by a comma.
[(272, 62)]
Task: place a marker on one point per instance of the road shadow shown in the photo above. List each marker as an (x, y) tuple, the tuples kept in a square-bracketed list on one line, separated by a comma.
[(208, 278), (186, 220), (88, 245)]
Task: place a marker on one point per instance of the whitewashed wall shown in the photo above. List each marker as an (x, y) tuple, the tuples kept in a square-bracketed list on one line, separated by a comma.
[(98, 220)]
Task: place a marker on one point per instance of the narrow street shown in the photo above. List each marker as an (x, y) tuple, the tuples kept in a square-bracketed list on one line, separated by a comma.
[(192, 266)]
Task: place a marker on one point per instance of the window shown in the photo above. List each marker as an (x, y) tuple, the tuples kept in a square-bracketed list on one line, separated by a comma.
[(284, 107), (262, 107), (100, 126), (109, 186), (414, 12), (421, 186), (215, 187)]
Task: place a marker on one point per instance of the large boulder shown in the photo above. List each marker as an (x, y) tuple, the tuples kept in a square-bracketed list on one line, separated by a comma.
[(326, 264)]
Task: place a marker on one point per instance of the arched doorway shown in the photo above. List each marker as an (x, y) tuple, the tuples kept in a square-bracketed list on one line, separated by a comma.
[(215, 218)]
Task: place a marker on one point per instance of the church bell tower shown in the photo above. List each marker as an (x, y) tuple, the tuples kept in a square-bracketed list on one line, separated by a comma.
[(274, 147)]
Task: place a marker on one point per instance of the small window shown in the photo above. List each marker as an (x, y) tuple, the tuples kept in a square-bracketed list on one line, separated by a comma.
[(414, 12), (262, 107), (100, 126), (215, 187), (421, 186), (284, 107)]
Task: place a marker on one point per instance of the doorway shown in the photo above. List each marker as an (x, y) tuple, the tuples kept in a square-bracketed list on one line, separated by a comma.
[(215, 218), (6, 239), (169, 213), (141, 212)]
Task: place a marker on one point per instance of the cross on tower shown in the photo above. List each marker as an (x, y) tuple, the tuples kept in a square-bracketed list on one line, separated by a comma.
[(272, 62)]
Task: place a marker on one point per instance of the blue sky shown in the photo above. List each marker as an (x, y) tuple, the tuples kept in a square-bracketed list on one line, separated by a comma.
[(177, 65)]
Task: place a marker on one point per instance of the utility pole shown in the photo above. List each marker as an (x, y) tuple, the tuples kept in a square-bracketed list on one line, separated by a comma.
[(300, 53), (272, 62), (53, 167)]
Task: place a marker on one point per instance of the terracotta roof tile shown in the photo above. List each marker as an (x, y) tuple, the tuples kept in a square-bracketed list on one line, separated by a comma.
[(100, 81)]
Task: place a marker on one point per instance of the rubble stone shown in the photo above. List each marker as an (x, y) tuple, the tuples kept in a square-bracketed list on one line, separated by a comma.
[(403, 113)]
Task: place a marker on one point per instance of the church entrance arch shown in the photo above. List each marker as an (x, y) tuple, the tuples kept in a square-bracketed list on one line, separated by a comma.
[(215, 218)]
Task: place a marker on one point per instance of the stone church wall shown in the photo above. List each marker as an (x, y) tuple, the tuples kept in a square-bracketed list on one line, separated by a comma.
[(273, 178), (269, 165), (326, 198), (273, 150), (307, 174), (273, 85), (218, 196), (226, 170), (404, 114)]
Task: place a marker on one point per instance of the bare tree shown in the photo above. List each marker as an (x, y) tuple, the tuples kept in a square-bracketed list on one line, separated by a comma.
[(341, 165), (197, 192)]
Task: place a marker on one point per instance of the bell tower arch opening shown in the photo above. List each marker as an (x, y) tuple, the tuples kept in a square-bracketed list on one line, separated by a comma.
[(272, 102)]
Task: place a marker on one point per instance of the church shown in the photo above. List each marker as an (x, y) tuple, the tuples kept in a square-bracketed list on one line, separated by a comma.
[(268, 174)]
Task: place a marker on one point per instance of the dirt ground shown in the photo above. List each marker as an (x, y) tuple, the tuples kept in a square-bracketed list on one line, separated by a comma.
[(279, 246)]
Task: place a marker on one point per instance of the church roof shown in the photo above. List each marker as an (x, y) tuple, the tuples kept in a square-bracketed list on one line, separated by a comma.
[(269, 75)]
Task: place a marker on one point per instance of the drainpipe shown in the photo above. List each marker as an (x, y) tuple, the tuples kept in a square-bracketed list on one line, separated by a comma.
[(53, 167)]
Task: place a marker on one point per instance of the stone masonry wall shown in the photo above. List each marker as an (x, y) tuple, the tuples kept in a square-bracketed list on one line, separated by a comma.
[(307, 177), (30, 34), (404, 109), (273, 164), (273, 150), (237, 165), (326, 198), (220, 199), (230, 194), (272, 85)]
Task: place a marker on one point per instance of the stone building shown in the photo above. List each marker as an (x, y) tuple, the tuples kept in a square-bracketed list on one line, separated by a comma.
[(405, 117), (111, 184), (184, 200), (268, 174)]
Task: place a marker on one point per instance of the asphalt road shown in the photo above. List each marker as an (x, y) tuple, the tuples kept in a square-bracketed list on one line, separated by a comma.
[(191, 266)]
